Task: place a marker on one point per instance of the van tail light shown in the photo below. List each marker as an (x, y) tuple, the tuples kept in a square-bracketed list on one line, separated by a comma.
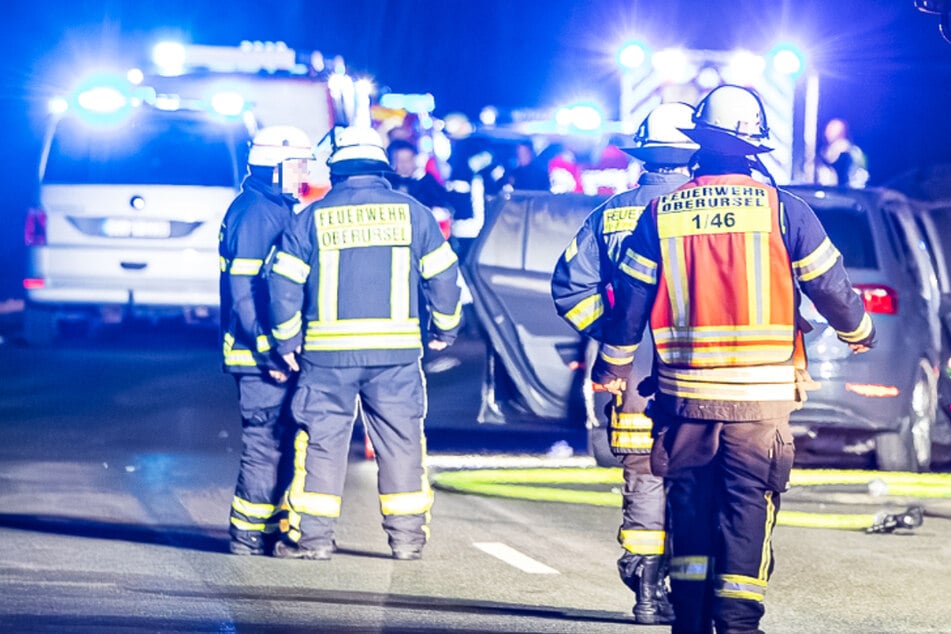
[(878, 298), (34, 231)]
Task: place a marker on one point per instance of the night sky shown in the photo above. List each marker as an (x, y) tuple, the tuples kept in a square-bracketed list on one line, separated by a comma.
[(882, 64)]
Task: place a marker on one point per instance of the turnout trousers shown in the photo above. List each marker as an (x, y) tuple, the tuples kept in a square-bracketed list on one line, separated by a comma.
[(325, 405), (257, 495), (723, 488)]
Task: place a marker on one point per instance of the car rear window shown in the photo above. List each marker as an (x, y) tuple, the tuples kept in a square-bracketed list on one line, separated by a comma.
[(145, 151), (849, 231)]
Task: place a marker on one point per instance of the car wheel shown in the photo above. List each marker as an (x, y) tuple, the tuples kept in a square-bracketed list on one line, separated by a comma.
[(39, 325), (909, 449), (600, 447)]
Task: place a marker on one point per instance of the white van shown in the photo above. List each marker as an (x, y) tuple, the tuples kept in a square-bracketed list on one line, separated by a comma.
[(130, 205)]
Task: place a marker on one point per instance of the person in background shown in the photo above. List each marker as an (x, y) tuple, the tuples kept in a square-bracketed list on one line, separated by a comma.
[(581, 289), (249, 230), (715, 268), (842, 162)]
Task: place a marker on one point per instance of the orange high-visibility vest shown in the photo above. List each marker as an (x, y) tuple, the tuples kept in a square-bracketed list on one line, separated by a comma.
[(723, 321)]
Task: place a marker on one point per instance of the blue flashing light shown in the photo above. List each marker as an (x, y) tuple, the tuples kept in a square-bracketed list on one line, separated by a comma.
[(169, 58), (102, 100), (410, 102), (744, 68), (632, 55), (135, 76), (584, 117), (229, 104), (787, 59), (57, 105)]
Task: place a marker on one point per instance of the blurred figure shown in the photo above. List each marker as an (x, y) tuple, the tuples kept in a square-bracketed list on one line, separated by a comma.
[(250, 228), (528, 173), (409, 177), (841, 161), (344, 289)]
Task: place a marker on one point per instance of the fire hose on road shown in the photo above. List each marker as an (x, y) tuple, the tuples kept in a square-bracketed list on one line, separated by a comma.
[(601, 487)]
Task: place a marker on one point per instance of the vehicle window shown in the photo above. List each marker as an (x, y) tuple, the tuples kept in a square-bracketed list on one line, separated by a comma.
[(849, 231), (504, 245), (147, 151), (931, 248), (908, 242), (552, 222), (941, 217)]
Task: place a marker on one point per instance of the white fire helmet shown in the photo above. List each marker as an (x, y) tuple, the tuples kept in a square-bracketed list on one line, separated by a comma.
[(274, 144), (356, 150), (730, 121), (659, 139)]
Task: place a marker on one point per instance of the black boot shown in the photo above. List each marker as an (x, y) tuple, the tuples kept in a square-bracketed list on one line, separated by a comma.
[(643, 574)]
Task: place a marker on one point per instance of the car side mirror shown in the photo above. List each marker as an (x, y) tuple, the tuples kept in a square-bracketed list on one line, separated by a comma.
[(939, 7)]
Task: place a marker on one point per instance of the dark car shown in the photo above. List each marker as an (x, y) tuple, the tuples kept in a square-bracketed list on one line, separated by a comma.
[(882, 402)]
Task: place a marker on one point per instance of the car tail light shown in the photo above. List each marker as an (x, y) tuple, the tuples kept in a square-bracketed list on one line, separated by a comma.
[(34, 231), (878, 298), (33, 282), (444, 217), (873, 390)]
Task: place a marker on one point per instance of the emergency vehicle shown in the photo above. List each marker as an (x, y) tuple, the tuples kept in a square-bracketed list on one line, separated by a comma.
[(137, 171)]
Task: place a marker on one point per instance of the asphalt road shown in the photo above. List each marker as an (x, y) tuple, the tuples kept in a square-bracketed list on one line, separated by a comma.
[(117, 464)]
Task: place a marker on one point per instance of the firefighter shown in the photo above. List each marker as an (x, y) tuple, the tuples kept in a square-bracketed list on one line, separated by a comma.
[(581, 286), (344, 289), (250, 227), (715, 267)]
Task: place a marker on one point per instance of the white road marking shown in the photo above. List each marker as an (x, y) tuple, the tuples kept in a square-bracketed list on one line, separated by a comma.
[(514, 558)]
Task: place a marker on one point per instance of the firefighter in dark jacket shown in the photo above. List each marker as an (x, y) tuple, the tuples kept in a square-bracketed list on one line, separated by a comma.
[(581, 289), (250, 227), (715, 268), (344, 289)]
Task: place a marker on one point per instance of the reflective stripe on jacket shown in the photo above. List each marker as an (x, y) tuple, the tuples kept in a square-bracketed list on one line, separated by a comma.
[(253, 222)]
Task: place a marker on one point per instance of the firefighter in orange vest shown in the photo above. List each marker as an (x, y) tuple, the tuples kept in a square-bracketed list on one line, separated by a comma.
[(715, 267), (581, 287)]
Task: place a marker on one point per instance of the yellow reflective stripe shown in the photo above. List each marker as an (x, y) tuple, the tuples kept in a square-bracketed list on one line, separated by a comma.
[(756, 247), (740, 587), (572, 250), (263, 343), (331, 343), (328, 285), (236, 358), (642, 542), (288, 329), (727, 391), (638, 267), (689, 568), (726, 355), (822, 258), (632, 421), (248, 526), (617, 355), (631, 439), (437, 261), (448, 322), (860, 333), (767, 552), (301, 501), (675, 266), (399, 283), (586, 312), (715, 334), (291, 267), (245, 266), (754, 374), (252, 509), (222, 264), (376, 325), (411, 503)]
